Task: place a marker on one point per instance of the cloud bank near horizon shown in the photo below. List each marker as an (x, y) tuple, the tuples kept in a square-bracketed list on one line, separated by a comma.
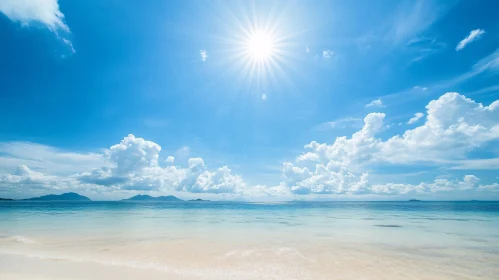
[(454, 127)]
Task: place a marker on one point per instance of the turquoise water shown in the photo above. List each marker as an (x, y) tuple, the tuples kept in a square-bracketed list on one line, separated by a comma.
[(462, 224), (229, 240)]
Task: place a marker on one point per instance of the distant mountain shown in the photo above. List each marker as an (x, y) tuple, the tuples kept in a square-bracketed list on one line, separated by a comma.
[(70, 196), (414, 200), (143, 197), (5, 199), (199, 199)]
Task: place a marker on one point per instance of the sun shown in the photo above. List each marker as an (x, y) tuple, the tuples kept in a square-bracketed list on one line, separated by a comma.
[(260, 46)]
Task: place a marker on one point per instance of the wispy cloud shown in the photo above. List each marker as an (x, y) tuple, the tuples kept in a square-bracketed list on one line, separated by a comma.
[(69, 44), (489, 63), (340, 123), (204, 55), (416, 118), (484, 90), (421, 88), (423, 47), (327, 53), (477, 164), (473, 36), (375, 103), (412, 18), (307, 50)]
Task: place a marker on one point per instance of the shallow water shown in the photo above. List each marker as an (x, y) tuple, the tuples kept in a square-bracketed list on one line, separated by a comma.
[(296, 240)]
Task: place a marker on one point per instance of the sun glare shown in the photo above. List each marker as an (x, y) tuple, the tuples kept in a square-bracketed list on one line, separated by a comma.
[(260, 46), (259, 51)]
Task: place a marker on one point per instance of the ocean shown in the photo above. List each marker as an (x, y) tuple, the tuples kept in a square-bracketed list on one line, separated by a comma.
[(234, 240)]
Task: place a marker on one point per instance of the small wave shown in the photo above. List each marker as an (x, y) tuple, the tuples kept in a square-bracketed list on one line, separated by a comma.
[(390, 226), (260, 252), (22, 239), (111, 262), (203, 273)]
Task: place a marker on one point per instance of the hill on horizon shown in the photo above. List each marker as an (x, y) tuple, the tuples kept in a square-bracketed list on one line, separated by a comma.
[(70, 196)]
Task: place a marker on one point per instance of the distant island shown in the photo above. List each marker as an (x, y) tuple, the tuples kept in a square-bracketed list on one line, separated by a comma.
[(414, 200), (143, 197), (199, 199), (5, 199), (70, 196)]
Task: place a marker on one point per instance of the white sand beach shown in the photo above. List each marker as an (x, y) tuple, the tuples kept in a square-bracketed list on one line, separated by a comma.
[(208, 259)]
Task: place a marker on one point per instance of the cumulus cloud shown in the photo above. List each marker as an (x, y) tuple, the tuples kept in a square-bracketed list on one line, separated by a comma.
[(330, 178), (170, 159), (468, 182), (455, 125), (132, 164), (135, 166), (416, 118), (375, 103), (24, 175), (204, 55), (24, 180), (473, 36), (327, 53)]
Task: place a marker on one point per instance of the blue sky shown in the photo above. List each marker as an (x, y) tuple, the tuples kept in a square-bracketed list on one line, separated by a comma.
[(112, 98)]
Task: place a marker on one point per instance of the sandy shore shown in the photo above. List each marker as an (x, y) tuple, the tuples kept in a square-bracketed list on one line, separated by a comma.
[(202, 259), (21, 267)]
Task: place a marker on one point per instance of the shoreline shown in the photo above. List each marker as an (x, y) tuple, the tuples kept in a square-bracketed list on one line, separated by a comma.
[(206, 259)]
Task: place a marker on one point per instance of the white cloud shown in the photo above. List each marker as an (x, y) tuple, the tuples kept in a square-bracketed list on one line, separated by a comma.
[(220, 181), (170, 159), (46, 159), (375, 103), (416, 118), (264, 96), (130, 165), (25, 182), (38, 12), (307, 50), (24, 175), (327, 53), (473, 36), (455, 125), (69, 44), (134, 166), (477, 164), (330, 178), (42, 11), (468, 182), (340, 123), (183, 152), (133, 154), (204, 55), (411, 19), (421, 88)]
